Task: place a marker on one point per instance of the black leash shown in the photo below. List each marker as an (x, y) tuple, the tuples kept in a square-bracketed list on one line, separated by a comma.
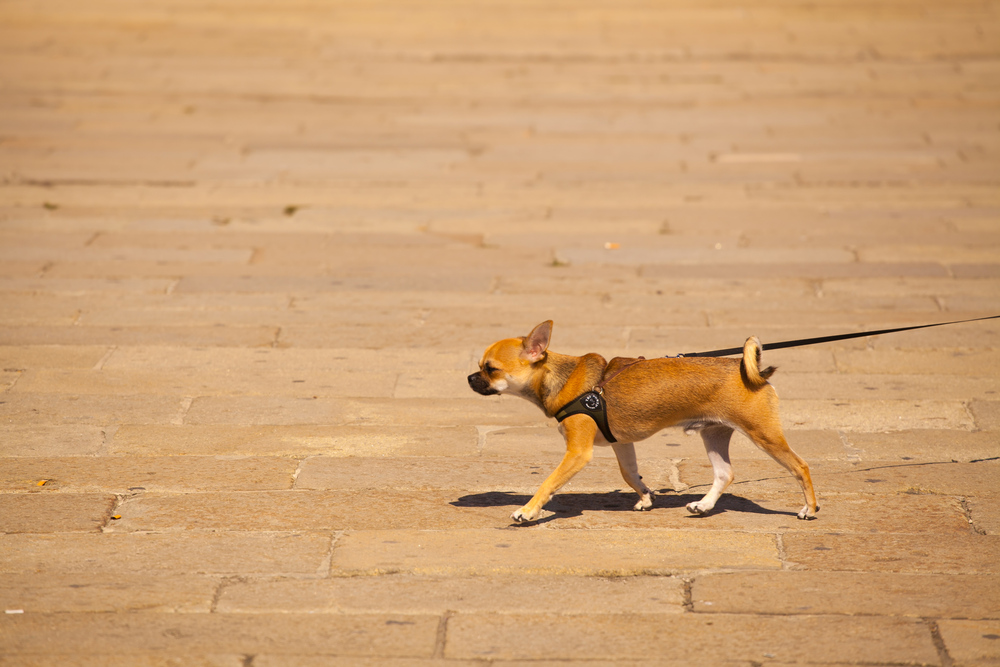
[(827, 339)]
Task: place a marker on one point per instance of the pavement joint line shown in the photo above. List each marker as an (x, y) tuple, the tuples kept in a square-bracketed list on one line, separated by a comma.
[(938, 640), (103, 360), (441, 637), (298, 470), (967, 512), (178, 419), (325, 568)]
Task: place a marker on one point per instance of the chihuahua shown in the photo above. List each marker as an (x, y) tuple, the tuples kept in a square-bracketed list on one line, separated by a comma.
[(627, 400)]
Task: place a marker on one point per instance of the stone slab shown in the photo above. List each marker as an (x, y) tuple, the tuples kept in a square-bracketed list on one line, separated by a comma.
[(90, 410), (147, 659), (102, 592), (192, 553), (252, 410), (694, 638), (984, 515), (877, 593), (132, 474), (924, 445), (535, 550), (168, 335), (973, 363), (987, 414), (298, 440), (408, 594), (465, 474), (886, 387), (47, 440), (875, 415), (296, 384), (301, 510), (247, 634), (954, 479), (922, 554), (51, 356), (972, 642), (47, 512)]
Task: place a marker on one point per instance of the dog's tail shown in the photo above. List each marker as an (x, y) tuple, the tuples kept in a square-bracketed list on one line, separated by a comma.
[(750, 365)]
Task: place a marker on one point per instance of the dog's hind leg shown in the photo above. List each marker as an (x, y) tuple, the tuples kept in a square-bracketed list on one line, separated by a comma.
[(625, 451), (716, 439), (771, 439)]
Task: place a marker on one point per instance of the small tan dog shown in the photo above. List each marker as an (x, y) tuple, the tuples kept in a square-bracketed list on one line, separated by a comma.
[(631, 399)]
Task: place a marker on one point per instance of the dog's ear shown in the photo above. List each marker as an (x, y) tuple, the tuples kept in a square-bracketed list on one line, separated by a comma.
[(535, 343)]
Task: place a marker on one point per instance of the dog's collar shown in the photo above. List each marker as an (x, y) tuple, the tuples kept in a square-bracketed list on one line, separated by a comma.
[(594, 406)]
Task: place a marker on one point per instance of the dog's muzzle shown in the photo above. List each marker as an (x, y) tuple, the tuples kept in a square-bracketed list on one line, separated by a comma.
[(481, 385)]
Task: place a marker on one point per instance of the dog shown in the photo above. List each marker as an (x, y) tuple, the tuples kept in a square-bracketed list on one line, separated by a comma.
[(628, 400)]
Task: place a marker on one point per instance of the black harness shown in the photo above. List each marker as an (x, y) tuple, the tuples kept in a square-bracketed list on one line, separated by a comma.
[(594, 406)]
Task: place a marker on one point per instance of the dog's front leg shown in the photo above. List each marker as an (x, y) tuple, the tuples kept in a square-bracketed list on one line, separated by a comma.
[(625, 452), (579, 431)]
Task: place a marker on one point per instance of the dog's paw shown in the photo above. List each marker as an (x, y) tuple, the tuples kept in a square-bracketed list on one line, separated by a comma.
[(645, 502), (525, 514), (698, 508), (806, 515)]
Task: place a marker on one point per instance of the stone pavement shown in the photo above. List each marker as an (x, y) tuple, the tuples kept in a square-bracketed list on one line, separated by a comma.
[(250, 251)]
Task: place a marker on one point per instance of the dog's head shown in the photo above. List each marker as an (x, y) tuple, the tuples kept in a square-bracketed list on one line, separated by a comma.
[(508, 365)]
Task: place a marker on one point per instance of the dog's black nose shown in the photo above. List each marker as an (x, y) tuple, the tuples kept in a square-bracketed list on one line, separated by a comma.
[(481, 385)]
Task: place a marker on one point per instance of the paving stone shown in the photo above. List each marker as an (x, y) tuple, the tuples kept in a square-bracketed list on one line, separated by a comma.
[(94, 410), (890, 387), (540, 551), (725, 637), (192, 553), (148, 659), (52, 356), (279, 410), (954, 479), (100, 592), (878, 593), (927, 553), (987, 414), (984, 515), (466, 474), (299, 660), (253, 511), (53, 513), (298, 384), (86, 285), (971, 642), (45, 440), (875, 415), (975, 363), (295, 440), (247, 634), (408, 594), (169, 335), (924, 445), (132, 474)]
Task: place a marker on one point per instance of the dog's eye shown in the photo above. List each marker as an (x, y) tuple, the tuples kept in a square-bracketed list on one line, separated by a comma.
[(489, 368)]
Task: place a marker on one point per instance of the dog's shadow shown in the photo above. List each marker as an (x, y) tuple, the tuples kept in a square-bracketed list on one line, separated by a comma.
[(568, 505)]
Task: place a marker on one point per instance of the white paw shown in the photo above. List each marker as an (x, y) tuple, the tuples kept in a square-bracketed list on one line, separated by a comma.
[(698, 508), (525, 514), (645, 502), (806, 514)]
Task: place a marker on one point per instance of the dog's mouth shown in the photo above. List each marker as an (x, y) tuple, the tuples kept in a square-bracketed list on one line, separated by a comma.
[(481, 385)]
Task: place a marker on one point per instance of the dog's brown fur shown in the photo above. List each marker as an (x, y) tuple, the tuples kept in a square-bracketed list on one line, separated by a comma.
[(711, 395)]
